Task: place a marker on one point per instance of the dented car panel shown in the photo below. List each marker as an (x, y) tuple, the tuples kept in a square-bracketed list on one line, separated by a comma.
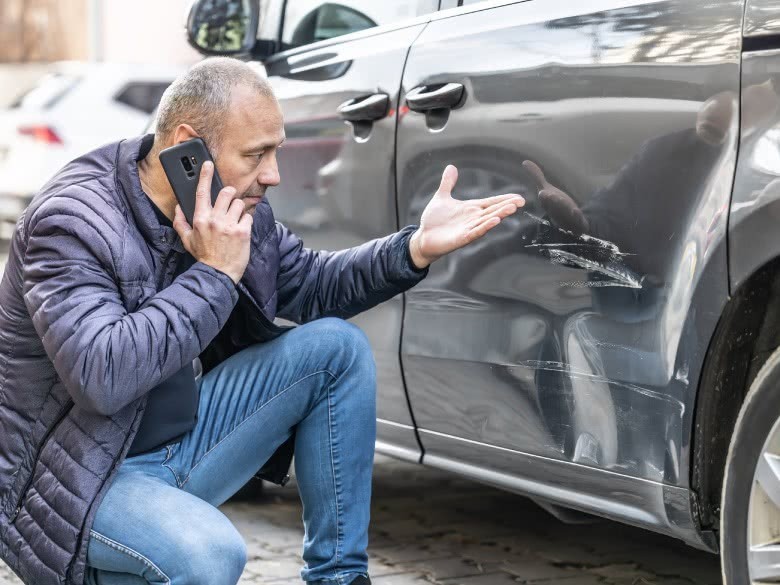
[(561, 355), (574, 332)]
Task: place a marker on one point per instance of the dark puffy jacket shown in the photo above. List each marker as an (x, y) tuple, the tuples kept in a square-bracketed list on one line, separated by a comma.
[(91, 319)]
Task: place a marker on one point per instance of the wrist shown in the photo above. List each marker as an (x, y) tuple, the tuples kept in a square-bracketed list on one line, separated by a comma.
[(235, 278), (419, 261)]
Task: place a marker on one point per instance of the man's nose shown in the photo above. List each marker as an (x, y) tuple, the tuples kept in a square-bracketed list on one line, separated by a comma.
[(269, 175)]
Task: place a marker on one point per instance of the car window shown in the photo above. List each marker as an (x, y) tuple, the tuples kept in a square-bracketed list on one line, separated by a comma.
[(309, 21), (142, 96), (47, 92)]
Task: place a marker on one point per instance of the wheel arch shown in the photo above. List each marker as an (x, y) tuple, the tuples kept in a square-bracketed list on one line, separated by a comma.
[(747, 333)]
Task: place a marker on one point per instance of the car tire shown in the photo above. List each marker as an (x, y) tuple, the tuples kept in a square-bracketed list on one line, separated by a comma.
[(748, 514)]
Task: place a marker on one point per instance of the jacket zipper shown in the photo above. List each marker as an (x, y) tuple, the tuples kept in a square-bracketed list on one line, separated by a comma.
[(26, 486)]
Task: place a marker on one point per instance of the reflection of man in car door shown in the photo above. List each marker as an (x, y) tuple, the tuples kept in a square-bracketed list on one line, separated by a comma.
[(655, 191), (643, 213), (112, 297)]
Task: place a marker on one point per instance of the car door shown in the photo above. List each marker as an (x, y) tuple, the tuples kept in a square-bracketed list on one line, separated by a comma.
[(339, 99), (574, 331)]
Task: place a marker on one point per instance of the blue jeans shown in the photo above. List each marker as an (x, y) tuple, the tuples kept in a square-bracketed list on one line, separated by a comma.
[(159, 522)]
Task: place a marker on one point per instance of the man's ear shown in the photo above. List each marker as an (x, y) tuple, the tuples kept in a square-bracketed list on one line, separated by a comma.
[(183, 133)]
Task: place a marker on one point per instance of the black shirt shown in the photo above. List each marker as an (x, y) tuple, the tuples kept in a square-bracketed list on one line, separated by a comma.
[(172, 408)]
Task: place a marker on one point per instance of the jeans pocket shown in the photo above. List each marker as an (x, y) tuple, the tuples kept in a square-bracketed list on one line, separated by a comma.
[(168, 453)]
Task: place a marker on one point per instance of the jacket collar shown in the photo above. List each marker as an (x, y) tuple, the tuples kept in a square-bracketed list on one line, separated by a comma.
[(130, 152)]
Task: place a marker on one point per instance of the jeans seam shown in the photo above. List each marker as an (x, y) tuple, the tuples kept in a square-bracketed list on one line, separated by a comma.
[(130, 552), (336, 486), (250, 415)]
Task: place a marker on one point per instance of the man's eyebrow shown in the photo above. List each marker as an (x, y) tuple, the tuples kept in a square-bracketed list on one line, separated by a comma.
[(265, 145)]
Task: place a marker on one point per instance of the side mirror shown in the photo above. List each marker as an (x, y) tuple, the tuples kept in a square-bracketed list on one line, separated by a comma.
[(223, 27)]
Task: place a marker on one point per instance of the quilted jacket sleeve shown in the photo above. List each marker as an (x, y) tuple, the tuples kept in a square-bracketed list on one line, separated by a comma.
[(106, 356), (314, 284)]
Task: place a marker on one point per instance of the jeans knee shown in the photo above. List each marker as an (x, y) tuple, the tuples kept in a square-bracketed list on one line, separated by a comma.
[(345, 341), (214, 557)]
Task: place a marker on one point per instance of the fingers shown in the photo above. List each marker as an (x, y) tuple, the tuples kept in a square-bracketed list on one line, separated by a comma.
[(448, 179), (516, 200), (246, 221), (180, 224), (500, 211), (203, 191), (481, 229), (537, 173), (224, 200), (488, 201), (235, 210)]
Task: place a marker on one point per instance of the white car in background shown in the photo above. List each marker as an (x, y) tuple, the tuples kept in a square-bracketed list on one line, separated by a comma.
[(72, 109)]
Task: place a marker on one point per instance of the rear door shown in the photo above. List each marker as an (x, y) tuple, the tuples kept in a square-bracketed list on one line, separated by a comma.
[(567, 332), (339, 100)]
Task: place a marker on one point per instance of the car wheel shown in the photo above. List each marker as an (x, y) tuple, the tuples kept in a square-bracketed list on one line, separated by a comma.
[(750, 502)]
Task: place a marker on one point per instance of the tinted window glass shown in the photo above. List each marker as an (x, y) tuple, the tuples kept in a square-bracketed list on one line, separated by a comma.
[(142, 96), (309, 21)]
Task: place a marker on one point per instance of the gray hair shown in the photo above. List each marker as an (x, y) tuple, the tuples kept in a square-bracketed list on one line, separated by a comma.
[(201, 97)]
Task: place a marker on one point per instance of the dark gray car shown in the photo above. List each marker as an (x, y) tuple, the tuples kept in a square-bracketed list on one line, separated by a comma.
[(612, 347)]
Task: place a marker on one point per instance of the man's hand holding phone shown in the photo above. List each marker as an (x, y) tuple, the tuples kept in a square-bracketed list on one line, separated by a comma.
[(221, 234)]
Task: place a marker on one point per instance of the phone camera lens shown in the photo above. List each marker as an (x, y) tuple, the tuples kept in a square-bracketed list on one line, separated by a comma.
[(186, 164)]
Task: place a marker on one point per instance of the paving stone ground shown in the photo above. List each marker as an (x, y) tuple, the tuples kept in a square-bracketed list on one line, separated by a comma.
[(430, 527)]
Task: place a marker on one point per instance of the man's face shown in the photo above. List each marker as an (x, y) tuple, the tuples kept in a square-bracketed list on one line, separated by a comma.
[(252, 133)]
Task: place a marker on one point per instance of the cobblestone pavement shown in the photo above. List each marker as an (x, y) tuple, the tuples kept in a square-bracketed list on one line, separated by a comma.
[(431, 527)]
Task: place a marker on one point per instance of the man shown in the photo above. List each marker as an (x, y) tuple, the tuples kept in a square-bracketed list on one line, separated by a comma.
[(115, 452)]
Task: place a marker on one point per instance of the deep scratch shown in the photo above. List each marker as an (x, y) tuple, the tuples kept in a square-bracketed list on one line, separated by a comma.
[(619, 278), (609, 252)]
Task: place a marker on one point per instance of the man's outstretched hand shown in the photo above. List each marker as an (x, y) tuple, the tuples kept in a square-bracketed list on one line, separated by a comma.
[(448, 224)]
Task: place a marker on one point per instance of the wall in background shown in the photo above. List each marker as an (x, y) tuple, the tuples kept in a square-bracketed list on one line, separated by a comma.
[(43, 30), (34, 33), (132, 31), (144, 31)]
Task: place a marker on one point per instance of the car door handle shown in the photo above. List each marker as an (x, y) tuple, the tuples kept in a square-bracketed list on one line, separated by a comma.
[(432, 97), (366, 108)]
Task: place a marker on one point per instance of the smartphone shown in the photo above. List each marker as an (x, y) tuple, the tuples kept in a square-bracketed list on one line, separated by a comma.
[(182, 164)]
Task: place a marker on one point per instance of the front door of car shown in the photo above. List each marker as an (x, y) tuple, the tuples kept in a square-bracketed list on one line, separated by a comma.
[(564, 333), (339, 99)]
